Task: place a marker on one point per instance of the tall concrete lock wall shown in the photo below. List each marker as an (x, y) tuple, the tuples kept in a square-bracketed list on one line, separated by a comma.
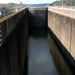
[(37, 17), (63, 30), (14, 43), (13, 38)]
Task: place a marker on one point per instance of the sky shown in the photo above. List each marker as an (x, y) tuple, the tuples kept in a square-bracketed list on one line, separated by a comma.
[(27, 1)]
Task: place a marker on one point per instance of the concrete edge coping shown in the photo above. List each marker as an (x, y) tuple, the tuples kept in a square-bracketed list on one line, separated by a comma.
[(11, 15), (70, 12)]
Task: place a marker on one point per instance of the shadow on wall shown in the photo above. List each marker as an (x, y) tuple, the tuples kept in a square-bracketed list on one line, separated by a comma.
[(32, 20), (37, 17), (12, 52)]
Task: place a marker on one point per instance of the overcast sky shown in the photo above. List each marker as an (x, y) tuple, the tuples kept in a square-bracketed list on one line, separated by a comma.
[(28, 1)]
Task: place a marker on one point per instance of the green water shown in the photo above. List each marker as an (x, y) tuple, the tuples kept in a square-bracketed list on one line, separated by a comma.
[(44, 57)]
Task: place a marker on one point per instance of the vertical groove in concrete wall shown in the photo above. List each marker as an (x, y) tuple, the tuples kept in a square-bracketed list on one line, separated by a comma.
[(22, 34), (3, 65), (57, 25), (13, 55), (73, 39)]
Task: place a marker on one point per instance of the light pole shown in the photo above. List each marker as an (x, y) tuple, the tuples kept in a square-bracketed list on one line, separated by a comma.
[(62, 3)]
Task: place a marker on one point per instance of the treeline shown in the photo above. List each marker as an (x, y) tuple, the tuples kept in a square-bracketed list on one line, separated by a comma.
[(9, 5), (6, 9), (65, 3)]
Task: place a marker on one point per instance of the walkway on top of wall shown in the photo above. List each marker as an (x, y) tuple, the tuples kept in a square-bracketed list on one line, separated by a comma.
[(68, 12)]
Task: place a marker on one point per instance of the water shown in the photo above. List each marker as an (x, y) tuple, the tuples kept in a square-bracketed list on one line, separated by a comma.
[(44, 57)]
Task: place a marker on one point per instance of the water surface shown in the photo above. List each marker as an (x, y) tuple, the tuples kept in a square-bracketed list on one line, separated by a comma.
[(44, 57), (40, 61)]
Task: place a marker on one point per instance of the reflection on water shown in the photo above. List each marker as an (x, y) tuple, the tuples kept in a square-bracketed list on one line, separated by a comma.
[(58, 59), (44, 57), (40, 61)]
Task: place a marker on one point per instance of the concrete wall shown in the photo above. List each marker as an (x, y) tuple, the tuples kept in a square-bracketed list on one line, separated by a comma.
[(37, 17), (63, 28), (13, 38), (59, 59), (13, 48)]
